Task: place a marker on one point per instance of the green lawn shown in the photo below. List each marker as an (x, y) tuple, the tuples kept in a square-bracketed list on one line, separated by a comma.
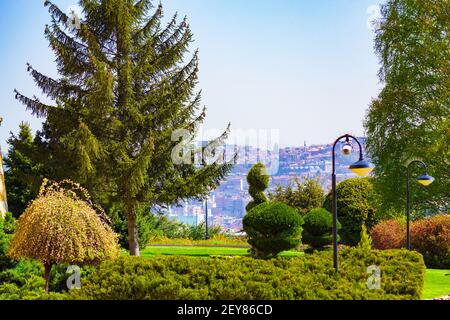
[(437, 282), (202, 251)]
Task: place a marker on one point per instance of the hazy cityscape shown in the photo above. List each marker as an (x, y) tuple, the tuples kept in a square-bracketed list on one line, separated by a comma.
[(226, 205)]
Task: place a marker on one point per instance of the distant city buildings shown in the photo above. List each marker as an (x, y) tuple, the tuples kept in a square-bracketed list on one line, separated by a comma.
[(226, 206)]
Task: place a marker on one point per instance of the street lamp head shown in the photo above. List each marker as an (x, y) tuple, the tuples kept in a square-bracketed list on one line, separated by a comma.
[(362, 168), (425, 180), (347, 148)]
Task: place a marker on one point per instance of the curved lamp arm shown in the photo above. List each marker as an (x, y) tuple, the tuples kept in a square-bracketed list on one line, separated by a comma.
[(347, 137), (419, 162)]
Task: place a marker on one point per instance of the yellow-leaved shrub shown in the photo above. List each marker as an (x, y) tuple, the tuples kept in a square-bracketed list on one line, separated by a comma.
[(59, 227)]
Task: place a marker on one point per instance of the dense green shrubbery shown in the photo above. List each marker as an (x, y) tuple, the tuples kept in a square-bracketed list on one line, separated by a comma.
[(7, 228), (318, 227), (310, 277), (357, 204), (24, 281), (303, 195), (151, 226), (272, 227), (258, 181), (148, 225)]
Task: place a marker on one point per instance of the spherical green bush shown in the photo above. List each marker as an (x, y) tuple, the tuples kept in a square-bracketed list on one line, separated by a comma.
[(318, 228), (272, 227), (258, 180), (318, 221)]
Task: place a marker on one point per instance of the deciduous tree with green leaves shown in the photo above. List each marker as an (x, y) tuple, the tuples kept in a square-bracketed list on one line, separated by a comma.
[(303, 195), (410, 119), (123, 95)]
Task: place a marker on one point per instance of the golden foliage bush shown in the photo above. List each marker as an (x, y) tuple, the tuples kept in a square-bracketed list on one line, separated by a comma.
[(61, 227)]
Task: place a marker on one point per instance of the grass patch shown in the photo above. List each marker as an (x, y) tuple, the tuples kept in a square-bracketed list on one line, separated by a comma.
[(217, 241), (437, 283), (203, 251)]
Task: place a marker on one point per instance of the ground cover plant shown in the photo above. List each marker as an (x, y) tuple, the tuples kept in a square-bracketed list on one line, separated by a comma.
[(203, 251)]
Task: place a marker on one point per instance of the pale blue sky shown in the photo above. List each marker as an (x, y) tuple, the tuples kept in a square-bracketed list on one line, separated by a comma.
[(306, 68)]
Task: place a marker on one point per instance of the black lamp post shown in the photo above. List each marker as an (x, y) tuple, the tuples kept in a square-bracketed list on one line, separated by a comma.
[(424, 180), (206, 220), (361, 168)]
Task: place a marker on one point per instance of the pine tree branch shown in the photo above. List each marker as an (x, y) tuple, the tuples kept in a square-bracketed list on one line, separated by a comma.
[(65, 39), (54, 89), (164, 34), (70, 63), (187, 76), (56, 13), (176, 36), (142, 6), (140, 166), (36, 107), (164, 55), (82, 32), (149, 28)]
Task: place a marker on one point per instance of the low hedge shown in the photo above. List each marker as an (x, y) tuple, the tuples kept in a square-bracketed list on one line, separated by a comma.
[(305, 278)]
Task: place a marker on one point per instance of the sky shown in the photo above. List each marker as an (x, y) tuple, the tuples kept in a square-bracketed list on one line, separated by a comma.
[(304, 70)]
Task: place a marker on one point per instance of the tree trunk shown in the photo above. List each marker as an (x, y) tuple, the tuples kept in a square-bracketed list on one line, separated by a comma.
[(133, 242), (47, 268)]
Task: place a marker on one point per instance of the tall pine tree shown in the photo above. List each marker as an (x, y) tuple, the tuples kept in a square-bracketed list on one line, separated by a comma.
[(123, 93)]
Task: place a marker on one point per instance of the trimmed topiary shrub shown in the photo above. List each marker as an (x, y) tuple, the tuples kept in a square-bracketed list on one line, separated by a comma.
[(310, 277), (431, 237), (58, 228), (272, 227), (357, 204), (258, 181), (318, 228)]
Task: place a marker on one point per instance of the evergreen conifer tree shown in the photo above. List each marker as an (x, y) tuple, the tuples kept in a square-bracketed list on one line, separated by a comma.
[(124, 92), (24, 173)]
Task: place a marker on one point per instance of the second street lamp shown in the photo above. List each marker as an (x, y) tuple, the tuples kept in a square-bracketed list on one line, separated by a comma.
[(361, 168), (424, 180), (206, 219)]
